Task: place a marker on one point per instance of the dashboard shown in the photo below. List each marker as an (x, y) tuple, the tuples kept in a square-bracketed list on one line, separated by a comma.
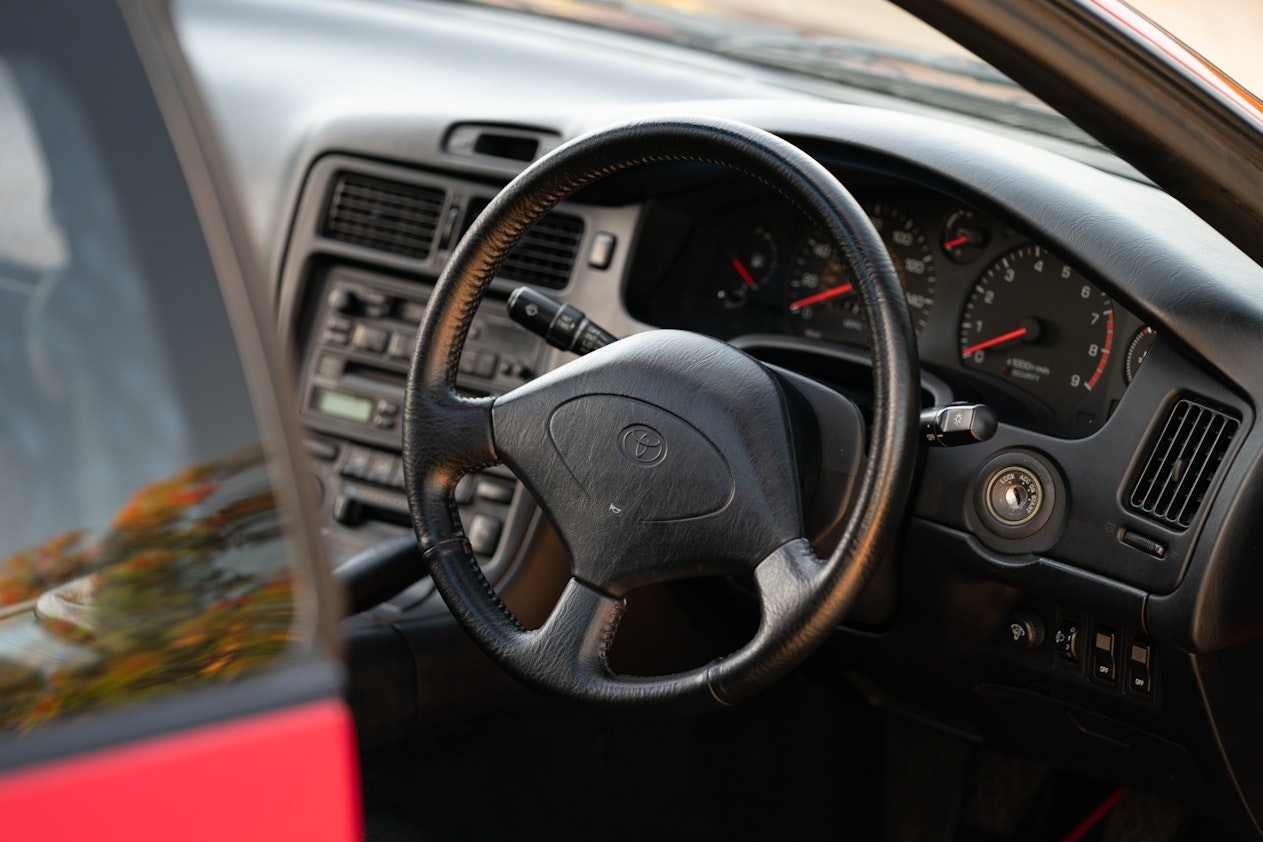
[(1113, 332)]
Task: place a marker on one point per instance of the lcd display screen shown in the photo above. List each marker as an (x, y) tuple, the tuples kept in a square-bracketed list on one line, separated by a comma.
[(342, 405)]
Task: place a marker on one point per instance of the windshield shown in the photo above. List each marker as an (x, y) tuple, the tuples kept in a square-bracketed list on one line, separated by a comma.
[(875, 45)]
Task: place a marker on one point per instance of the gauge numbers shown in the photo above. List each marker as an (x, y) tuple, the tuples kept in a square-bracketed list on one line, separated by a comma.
[(822, 291), (1036, 322)]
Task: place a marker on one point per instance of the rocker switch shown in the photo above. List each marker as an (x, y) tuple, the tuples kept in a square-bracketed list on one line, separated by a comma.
[(1139, 673), (1104, 655)]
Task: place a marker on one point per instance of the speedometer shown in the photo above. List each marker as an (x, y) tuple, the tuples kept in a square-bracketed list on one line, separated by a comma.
[(1036, 322), (821, 288)]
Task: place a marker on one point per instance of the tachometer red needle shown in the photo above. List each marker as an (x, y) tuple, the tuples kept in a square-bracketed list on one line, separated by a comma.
[(959, 241), (995, 340), (745, 275), (821, 296)]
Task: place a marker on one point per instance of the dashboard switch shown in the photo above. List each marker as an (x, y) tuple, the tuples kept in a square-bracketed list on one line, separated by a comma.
[(1104, 655), (464, 493), (346, 510), (602, 252), (484, 534), (1026, 630), (495, 492), (1139, 673), (1142, 542), (370, 339), (1066, 641), (342, 300)]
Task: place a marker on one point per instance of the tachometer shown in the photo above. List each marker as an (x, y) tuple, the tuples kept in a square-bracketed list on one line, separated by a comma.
[(1038, 323)]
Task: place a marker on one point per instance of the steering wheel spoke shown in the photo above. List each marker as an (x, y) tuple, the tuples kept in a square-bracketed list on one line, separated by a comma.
[(574, 642), (460, 438)]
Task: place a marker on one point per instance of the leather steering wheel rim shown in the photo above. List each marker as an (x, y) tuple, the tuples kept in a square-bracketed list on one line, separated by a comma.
[(447, 435)]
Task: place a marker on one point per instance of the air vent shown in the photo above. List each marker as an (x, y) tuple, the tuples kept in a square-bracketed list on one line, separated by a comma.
[(1183, 463), (385, 215), (546, 254)]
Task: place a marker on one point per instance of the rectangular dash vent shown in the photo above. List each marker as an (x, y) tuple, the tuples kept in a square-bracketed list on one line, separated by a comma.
[(546, 254), (385, 215), (1183, 463)]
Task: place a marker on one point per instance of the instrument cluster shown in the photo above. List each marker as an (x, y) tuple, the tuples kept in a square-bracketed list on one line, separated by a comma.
[(998, 315)]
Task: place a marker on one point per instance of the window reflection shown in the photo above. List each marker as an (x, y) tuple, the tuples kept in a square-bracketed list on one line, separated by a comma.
[(183, 586), (135, 558)]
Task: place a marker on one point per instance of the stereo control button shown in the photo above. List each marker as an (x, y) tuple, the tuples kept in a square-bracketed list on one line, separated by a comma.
[(484, 534), (342, 300), (464, 493), (358, 462), (370, 339), (321, 449), (485, 366), (402, 345), (495, 492), (330, 366), (376, 303), (380, 469)]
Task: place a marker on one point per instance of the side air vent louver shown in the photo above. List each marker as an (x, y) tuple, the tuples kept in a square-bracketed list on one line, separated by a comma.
[(546, 254), (1183, 463), (386, 215)]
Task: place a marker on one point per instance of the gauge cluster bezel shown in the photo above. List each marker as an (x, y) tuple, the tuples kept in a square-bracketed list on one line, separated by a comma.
[(690, 291)]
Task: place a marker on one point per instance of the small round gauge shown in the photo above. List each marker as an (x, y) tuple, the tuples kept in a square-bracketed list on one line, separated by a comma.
[(964, 237), (1039, 324), (819, 280), (1137, 350), (747, 258)]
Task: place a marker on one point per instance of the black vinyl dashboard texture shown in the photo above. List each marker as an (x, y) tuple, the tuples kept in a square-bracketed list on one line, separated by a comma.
[(1145, 276)]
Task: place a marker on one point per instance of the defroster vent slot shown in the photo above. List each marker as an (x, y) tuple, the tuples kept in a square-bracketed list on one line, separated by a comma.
[(384, 215), (1183, 463)]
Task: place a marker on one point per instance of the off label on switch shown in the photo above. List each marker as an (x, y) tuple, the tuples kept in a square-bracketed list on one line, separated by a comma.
[(1104, 662)]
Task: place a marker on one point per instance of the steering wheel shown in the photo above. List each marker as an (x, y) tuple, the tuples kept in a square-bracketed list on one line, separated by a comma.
[(662, 456)]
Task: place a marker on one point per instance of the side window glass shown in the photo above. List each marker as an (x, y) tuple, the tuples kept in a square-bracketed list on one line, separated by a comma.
[(141, 548)]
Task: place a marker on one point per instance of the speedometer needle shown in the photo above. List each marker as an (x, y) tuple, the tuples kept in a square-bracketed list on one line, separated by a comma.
[(995, 340), (743, 272), (821, 296)]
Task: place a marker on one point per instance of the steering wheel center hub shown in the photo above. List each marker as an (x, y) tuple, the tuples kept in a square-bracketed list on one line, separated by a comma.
[(657, 458)]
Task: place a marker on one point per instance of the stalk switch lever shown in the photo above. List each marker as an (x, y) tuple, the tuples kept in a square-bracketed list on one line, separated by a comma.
[(561, 325), (958, 423)]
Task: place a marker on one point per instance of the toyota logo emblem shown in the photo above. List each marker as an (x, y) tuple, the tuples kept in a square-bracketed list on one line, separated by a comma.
[(643, 445)]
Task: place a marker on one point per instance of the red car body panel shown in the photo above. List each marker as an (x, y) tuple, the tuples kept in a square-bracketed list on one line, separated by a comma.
[(289, 774)]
